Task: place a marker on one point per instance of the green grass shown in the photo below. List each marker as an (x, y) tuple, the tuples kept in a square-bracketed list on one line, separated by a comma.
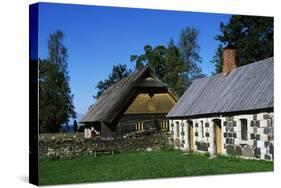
[(142, 165)]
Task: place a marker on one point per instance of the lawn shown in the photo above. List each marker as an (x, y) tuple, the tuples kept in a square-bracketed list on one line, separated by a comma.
[(142, 165)]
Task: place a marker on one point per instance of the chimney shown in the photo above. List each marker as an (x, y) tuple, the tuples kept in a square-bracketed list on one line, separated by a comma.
[(228, 61)]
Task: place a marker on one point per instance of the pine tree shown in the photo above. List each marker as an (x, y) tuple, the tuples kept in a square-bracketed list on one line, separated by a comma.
[(250, 36)]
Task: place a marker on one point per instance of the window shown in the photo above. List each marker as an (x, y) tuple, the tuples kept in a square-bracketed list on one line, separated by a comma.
[(202, 129), (244, 129), (139, 126), (177, 129), (164, 125)]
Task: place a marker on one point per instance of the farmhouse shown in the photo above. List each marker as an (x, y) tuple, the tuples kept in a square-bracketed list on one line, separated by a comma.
[(227, 113), (135, 103)]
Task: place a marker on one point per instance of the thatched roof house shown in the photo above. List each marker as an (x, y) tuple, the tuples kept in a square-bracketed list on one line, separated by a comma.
[(135, 103)]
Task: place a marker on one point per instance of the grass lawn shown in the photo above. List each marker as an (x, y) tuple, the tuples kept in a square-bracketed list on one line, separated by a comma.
[(142, 165)]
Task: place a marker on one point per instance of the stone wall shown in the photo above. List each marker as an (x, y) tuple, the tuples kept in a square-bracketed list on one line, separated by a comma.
[(72, 145), (258, 144)]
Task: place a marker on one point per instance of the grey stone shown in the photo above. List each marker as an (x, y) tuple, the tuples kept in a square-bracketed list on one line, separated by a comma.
[(252, 136), (253, 123), (267, 157), (202, 146), (227, 140), (255, 143), (257, 152), (269, 122), (268, 130), (258, 124), (238, 150), (266, 143), (269, 137), (207, 124), (266, 116), (225, 123), (230, 149), (224, 135), (257, 137), (248, 151)]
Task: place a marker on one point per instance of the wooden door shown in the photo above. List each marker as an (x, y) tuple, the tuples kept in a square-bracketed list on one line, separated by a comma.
[(217, 137)]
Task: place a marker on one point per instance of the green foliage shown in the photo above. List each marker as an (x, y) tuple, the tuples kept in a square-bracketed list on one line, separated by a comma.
[(189, 52), (218, 60), (118, 73), (175, 65), (250, 36), (142, 165), (55, 98)]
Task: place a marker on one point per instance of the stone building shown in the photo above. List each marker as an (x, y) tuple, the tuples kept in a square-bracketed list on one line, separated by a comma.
[(227, 113), (136, 103)]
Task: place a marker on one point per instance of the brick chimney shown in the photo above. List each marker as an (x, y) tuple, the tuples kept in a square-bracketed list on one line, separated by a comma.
[(228, 61)]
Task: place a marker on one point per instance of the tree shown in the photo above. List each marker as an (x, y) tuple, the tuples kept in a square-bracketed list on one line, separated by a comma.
[(118, 73), (189, 51), (75, 126), (218, 59), (250, 36), (175, 65), (175, 75), (55, 98), (155, 57)]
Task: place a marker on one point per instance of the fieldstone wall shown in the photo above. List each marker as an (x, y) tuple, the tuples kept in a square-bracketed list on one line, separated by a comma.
[(259, 142), (72, 145)]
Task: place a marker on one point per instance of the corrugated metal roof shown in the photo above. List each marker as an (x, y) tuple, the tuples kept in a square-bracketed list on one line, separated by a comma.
[(248, 87)]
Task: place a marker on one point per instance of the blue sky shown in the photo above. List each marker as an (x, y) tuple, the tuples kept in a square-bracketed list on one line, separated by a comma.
[(99, 37)]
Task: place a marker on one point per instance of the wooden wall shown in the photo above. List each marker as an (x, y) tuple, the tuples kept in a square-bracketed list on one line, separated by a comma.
[(129, 122), (151, 103)]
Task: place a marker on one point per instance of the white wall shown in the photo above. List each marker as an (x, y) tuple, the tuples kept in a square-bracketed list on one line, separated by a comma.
[(257, 130)]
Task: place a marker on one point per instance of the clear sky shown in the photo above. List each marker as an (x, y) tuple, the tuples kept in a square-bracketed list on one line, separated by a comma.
[(99, 37)]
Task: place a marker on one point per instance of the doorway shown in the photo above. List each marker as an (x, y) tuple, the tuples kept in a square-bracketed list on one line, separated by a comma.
[(217, 136), (190, 135)]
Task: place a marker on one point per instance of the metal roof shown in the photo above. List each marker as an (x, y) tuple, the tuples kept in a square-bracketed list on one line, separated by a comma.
[(249, 87)]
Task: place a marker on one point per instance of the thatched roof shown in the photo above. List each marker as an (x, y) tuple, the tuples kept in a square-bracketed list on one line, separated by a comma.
[(246, 88), (116, 97)]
